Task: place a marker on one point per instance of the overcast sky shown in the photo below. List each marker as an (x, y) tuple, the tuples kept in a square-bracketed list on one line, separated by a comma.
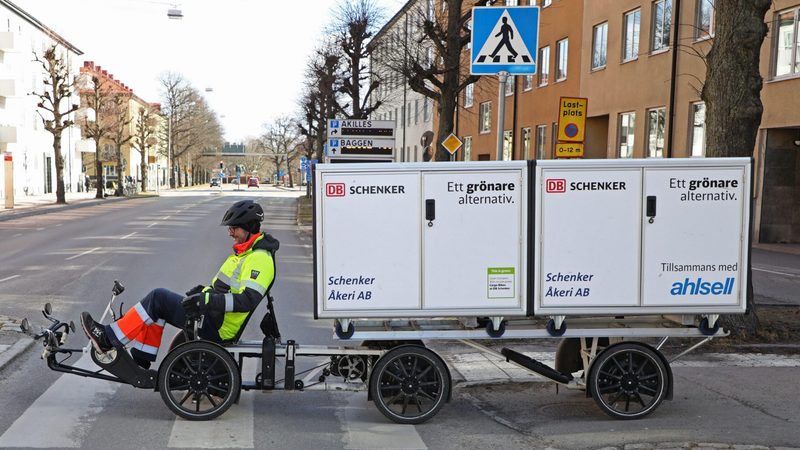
[(252, 53)]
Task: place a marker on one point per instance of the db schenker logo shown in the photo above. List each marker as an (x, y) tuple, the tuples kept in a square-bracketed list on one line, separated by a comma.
[(556, 185), (334, 189)]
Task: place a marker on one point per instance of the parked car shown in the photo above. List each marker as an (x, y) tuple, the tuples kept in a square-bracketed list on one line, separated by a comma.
[(252, 182), (214, 182)]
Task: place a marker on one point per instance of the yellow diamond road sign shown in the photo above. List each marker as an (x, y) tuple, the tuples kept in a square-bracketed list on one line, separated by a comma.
[(452, 143)]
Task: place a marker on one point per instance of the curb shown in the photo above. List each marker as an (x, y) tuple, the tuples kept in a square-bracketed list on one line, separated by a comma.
[(15, 350), (49, 208)]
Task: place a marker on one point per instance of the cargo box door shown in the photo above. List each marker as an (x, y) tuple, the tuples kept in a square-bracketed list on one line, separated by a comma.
[(693, 233), (371, 243), (471, 240)]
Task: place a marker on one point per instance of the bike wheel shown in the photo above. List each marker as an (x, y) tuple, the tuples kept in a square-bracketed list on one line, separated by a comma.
[(628, 381), (199, 380), (409, 384)]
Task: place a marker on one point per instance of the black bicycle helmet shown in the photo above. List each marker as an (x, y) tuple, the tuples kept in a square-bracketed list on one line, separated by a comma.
[(246, 214)]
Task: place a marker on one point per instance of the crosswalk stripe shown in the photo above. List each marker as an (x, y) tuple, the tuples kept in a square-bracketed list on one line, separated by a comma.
[(234, 428), (367, 428), (62, 416)]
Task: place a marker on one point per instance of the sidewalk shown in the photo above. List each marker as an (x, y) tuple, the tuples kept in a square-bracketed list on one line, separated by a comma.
[(30, 205)]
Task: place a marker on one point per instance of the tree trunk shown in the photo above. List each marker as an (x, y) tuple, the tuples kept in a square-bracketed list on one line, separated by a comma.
[(98, 168), (120, 173), (446, 115), (143, 169), (289, 172), (732, 92), (60, 195)]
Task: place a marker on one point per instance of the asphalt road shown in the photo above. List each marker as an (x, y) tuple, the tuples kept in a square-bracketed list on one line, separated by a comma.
[(71, 259), (776, 277)]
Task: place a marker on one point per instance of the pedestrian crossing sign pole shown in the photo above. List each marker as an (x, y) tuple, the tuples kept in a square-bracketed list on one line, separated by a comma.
[(504, 42)]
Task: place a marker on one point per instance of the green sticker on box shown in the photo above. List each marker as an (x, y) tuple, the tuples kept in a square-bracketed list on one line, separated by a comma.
[(500, 283)]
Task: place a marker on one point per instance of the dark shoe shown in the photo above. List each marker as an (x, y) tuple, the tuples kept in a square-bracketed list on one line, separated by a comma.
[(96, 333)]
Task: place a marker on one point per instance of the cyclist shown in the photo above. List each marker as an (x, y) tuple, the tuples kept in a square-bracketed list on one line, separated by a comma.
[(234, 293)]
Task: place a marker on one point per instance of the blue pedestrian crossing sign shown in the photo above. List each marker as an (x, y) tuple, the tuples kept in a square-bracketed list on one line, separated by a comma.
[(504, 39)]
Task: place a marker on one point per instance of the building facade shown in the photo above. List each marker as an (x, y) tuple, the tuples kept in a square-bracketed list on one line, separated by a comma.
[(132, 154), (643, 96), (22, 133), (411, 111)]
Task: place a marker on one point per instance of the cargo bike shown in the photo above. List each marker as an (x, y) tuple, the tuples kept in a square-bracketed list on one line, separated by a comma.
[(394, 295)]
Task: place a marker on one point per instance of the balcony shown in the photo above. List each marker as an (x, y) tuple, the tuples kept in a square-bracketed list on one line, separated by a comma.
[(6, 41), (8, 134), (8, 87)]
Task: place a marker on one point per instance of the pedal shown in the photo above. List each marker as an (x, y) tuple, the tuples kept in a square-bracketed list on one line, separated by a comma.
[(536, 366)]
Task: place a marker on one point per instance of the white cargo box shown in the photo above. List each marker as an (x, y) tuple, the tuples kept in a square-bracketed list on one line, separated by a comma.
[(666, 236), (421, 240), (517, 238)]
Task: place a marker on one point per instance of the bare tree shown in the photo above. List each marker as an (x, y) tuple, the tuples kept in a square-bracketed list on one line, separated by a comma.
[(281, 138), (119, 134), (59, 86), (98, 96), (431, 58), (354, 24), (732, 121), (144, 139), (319, 103), (191, 125)]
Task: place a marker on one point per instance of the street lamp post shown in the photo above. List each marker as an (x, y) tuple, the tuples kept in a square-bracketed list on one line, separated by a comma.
[(169, 150)]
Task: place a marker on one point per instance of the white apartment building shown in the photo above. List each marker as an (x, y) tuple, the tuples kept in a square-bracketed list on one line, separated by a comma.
[(22, 133), (411, 111)]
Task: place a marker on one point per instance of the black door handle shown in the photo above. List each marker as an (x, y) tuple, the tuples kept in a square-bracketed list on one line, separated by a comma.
[(430, 211), (651, 207)]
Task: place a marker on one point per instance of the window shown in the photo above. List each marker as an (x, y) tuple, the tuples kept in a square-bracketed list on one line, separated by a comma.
[(599, 45), (787, 41), (467, 148), (562, 48), (627, 122), (704, 21), (630, 41), (508, 142), (655, 132), (526, 143), (486, 117), (408, 114), (541, 140), (546, 3), (469, 27), (426, 109), (416, 111), (662, 21), (698, 129), (512, 2), (544, 65), (469, 95), (527, 83), (429, 12), (510, 82)]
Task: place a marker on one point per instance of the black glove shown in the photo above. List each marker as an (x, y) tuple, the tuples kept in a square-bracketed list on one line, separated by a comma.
[(194, 304), (195, 290)]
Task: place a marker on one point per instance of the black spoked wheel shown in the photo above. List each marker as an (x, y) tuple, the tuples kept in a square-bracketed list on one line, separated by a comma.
[(409, 384), (628, 381), (199, 380)]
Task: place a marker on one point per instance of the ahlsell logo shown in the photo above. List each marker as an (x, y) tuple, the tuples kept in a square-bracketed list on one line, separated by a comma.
[(556, 185), (334, 189)]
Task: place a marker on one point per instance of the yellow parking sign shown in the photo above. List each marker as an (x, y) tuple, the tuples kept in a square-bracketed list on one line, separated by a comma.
[(572, 119), (569, 150)]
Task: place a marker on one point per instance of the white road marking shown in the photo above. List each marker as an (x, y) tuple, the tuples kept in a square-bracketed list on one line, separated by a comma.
[(165, 217), (9, 278), (777, 273), (366, 427), (62, 416), (152, 224), (232, 429), (127, 235), (84, 253), (18, 235)]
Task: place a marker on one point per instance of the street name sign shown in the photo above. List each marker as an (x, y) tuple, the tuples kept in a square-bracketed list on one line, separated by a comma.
[(360, 138), (504, 39)]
